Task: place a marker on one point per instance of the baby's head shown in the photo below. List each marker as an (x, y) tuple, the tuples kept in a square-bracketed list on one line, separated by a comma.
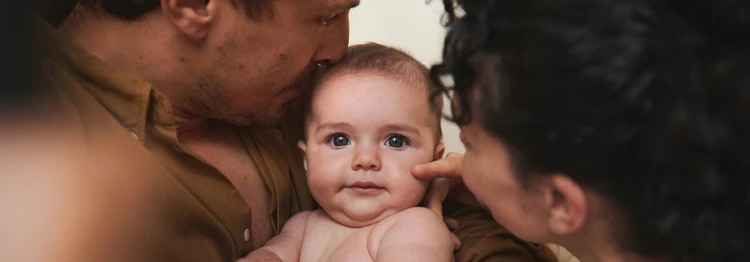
[(371, 117)]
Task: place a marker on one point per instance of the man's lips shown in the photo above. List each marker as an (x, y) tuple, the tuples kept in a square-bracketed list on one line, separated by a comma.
[(302, 81), (304, 78)]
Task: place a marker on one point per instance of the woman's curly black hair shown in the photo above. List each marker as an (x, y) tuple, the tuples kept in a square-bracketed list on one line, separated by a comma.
[(645, 102)]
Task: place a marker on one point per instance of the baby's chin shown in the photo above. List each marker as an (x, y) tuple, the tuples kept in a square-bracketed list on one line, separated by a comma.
[(360, 218)]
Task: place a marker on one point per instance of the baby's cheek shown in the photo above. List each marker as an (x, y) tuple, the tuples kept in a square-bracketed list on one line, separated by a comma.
[(415, 190), (317, 184)]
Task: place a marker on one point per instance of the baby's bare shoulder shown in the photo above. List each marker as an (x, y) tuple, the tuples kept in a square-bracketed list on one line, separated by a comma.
[(412, 220), (416, 232), (416, 215), (298, 221), (301, 216), (419, 212)]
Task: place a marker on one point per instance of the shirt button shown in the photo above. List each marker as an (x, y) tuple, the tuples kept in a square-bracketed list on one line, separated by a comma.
[(247, 235)]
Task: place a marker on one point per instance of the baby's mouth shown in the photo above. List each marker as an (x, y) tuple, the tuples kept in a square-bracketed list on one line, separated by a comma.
[(365, 188)]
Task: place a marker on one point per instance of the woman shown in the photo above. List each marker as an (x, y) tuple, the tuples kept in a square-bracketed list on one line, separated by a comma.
[(617, 129)]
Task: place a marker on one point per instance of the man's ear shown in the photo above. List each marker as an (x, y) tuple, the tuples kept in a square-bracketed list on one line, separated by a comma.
[(567, 204), (303, 147), (191, 17), (439, 151)]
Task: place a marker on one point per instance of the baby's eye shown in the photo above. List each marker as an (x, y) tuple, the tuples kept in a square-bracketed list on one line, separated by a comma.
[(396, 141), (339, 140)]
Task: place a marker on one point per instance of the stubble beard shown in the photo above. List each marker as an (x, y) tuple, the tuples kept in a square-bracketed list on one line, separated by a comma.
[(205, 99)]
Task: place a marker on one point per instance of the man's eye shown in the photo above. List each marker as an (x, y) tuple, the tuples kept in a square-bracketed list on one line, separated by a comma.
[(396, 141), (330, 20), (339, 140)]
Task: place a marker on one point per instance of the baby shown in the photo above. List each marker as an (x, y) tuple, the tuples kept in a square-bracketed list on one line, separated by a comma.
[(370, 120)]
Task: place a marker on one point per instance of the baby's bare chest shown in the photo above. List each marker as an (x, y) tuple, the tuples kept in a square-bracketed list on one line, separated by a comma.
[(329, 242)]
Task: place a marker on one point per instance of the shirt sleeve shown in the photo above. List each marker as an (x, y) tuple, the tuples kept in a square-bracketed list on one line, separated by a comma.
[(483, 239)]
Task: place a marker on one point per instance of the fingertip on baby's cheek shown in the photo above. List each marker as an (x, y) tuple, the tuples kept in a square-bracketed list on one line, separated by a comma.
[(417, 171)]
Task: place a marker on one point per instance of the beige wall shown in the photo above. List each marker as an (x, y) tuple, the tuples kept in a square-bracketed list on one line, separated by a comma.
[(411, 25)]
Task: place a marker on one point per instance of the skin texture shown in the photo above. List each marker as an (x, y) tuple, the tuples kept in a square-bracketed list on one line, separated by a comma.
[(352, 108), (213, 61), (350, 139), (256, 68), (490, 176)]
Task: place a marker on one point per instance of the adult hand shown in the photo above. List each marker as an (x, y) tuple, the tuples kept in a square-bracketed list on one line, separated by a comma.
[(448, 167), (433, 200), (444, 175), (446, 182)]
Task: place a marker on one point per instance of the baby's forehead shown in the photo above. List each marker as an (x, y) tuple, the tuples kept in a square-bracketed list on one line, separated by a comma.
[(407, 82), (411, 100), (371, 89)]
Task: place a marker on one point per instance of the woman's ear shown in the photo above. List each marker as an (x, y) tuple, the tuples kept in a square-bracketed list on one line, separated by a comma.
[(567, 204), (439, 151), (303, 147), (191, 17)]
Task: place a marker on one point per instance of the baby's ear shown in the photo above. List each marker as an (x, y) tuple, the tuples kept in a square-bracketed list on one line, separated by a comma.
[(303, 147), (439, 151)]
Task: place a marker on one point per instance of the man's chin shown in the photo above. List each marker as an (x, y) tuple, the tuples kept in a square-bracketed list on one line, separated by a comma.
[(263, 120)]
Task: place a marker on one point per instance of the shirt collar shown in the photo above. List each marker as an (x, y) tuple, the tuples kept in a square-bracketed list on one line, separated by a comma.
[(127, 98)]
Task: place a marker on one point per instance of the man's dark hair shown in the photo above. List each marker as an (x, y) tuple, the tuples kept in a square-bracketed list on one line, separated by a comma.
[(132, 9), (644, 102)]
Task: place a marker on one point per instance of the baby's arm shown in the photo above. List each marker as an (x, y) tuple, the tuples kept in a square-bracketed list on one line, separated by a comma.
[(418, 234), (284, 247)]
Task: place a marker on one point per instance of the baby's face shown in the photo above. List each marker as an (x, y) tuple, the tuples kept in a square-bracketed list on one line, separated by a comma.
[(364, 135)]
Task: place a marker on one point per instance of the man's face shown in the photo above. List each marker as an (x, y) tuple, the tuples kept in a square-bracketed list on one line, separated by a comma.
[(252, 68), (364, 134)]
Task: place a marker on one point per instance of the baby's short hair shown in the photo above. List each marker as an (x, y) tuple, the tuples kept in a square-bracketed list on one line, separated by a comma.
[(388, 62)]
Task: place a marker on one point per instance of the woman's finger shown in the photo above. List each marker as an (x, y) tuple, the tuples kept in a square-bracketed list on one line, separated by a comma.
[(448, 167)]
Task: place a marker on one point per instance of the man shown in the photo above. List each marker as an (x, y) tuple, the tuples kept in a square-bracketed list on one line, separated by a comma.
[(176, 107)]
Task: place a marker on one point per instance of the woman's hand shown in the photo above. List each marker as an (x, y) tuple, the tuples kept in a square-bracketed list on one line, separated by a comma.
[(445, 180), (443, 174), (448, 167)]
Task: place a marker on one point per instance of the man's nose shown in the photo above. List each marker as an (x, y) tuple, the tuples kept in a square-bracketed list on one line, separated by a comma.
[(366, 157), (333, 42)]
